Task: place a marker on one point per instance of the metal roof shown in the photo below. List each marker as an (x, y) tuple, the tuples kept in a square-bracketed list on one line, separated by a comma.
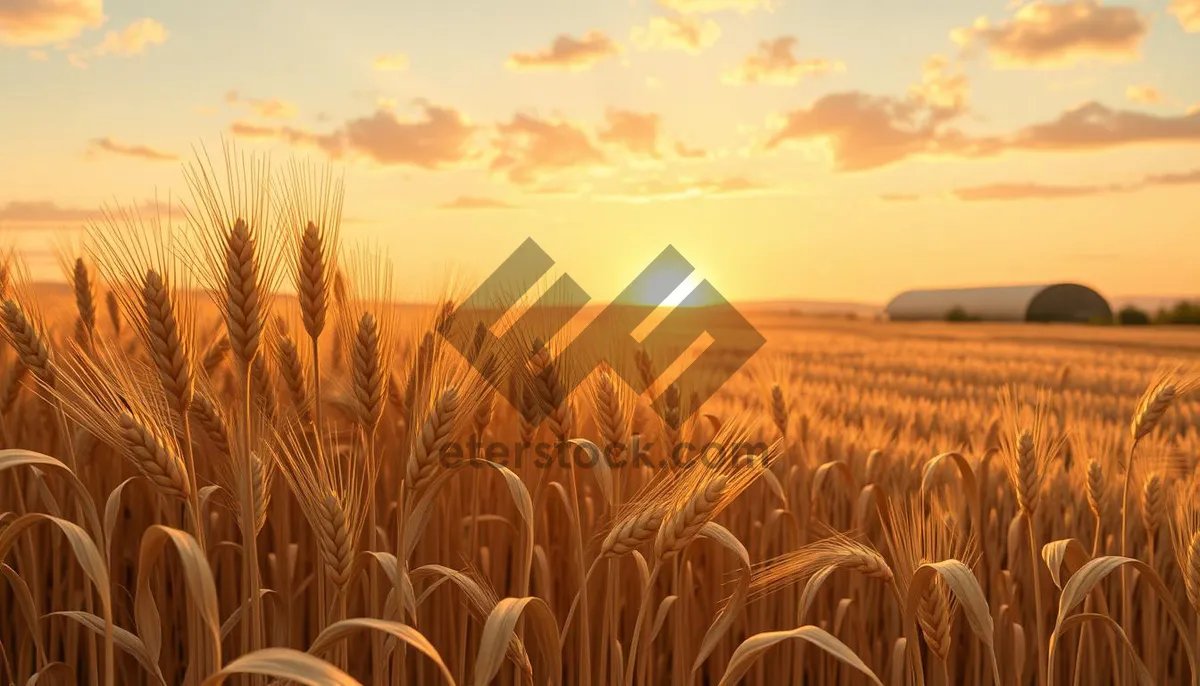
[(999, 303)]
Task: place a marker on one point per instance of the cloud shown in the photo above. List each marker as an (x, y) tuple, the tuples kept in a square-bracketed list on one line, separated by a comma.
[(866, 131), (394, 62), (900, 197), (1143, 95), (46, 22), (243, 129), (684, 151), (689, 34), (474, 202), (274, 109), (1094, 126), (567, 53), (440, 137), (1026, 191), (636, 132), (269, 108), (943, 89), (682, 188), (1175, 179), (109, 146), (531, 148), (332, 144), (50, 215), (42, 211), (1040, 191), (133, 39), (707, 6), (774, 62), (1188, 14), (1049, 34)]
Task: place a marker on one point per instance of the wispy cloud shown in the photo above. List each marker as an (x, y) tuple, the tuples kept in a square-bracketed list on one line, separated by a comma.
[(775, 62), (1058, 34), (1094, 126), (130, 41), (394, 62), (438, 138), (38, 211), (687, 33), (567, 53), (1188, 14), (267, 108), (1027, 191), (707, 6), (133, 39), (944, 88), (52, 215), (530, 148), (1041, 191), (47, 22), (1144, 95), (866, 131), (475, 202), (659, 189), (636, 132), (1186, 178), (106, 145), (687, 152)]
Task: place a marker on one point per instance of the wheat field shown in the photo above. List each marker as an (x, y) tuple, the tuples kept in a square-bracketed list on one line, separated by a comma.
[(229, 456)]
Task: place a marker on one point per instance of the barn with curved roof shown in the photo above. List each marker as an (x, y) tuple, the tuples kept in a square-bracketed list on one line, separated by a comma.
[(1059, 302)]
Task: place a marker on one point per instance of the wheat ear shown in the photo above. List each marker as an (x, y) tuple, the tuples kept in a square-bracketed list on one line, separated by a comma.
[(12, 387), (243, 314), (85, 300), (680, 528), (779, 409), (168, 350), (367, 374), (631, 534), (294, 377), (153, 457), (29, 342), (312, 280), (1095, 488), (113, 307), (435, 435)]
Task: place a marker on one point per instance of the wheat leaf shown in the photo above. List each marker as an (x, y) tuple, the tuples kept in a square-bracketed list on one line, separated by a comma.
[(753, 648)]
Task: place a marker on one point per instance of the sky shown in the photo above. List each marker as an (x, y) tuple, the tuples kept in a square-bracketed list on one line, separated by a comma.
[(789, 149)]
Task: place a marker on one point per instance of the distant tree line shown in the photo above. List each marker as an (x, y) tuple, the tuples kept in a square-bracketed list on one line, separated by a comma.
[(1183, 312)]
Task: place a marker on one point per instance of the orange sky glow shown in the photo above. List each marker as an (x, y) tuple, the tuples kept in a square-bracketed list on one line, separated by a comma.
[(789, 149)]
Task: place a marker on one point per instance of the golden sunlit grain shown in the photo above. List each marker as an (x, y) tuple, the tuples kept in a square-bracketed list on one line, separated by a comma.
[(863, 502)]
